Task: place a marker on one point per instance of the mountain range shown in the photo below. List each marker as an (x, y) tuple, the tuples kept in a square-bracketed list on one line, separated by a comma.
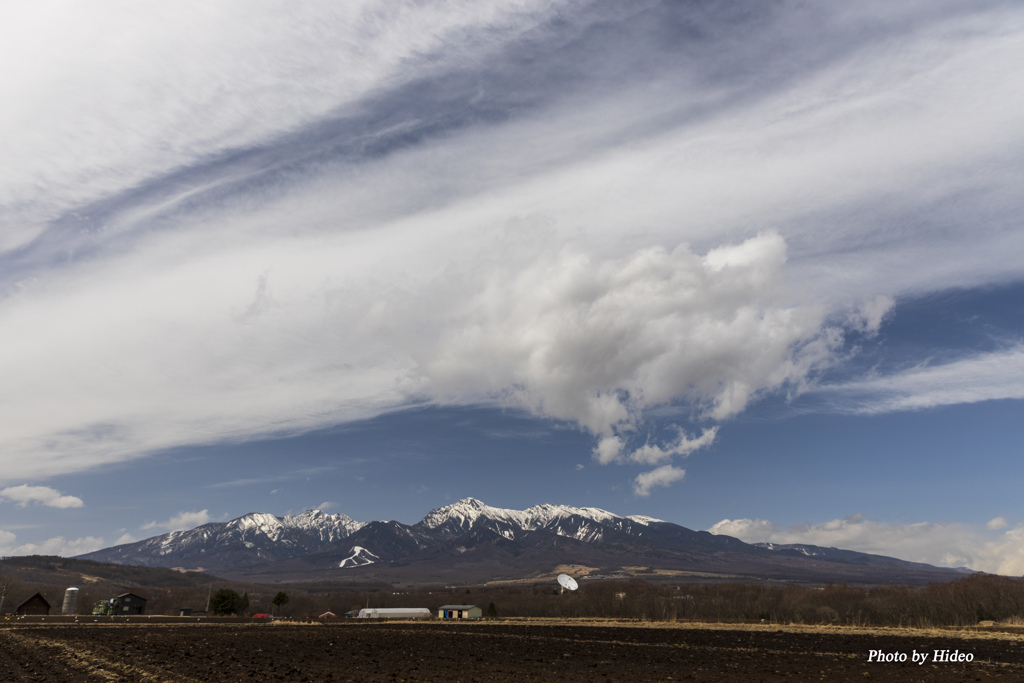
[(471, 542)]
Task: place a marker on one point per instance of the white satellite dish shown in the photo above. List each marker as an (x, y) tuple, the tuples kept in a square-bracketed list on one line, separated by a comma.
[(567, 582)]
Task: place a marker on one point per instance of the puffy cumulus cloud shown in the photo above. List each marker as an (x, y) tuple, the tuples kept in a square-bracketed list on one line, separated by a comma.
[(58, 545), (182, 520), (24, 494), (599, 341), (981, 377), (941, 544), (661, 476)]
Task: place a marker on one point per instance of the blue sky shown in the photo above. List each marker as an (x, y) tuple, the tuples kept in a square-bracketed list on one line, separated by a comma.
[(749, 267)]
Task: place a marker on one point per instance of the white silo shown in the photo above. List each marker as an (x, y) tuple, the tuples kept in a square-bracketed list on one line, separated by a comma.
[(70, 600)]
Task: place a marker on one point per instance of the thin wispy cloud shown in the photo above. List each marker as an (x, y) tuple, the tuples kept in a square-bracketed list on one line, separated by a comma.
[(980, 377)]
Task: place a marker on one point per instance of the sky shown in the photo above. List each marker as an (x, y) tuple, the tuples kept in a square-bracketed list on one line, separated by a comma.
[(750, 267)]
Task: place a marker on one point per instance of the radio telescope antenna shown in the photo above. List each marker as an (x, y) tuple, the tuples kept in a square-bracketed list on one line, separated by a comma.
[(567, 583)]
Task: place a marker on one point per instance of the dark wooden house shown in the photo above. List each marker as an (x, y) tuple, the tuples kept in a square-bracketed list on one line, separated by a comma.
[(36, 605), (126, 604)]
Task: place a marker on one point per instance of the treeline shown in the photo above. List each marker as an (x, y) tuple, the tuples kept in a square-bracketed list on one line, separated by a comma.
[(964, 602)]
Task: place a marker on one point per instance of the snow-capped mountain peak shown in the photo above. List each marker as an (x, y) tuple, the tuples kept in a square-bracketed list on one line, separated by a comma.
[(329, 527), (261, 537), (261, 523), (315, 522), (585, 524), (252, 538), (464, 513)]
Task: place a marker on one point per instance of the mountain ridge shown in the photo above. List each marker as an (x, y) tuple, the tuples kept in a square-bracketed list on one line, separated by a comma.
[(470, 541)]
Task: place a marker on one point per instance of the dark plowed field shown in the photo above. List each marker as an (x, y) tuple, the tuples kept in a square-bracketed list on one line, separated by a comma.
[(490, 653)]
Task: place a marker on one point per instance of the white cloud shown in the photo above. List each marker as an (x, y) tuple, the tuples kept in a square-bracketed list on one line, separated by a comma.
[(981, 377), (587, 253), (44, 495), (608, 449), (651, 454), (182, 520), (996, 523), (751, 530), (661, 476), (57, 545), (125, 538), (871, 314), (940, 544), (597, 342), (162, 70)]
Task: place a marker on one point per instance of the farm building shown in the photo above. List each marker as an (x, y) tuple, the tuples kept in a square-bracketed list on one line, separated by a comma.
[(127, 603), (459, 612), (394, 613), (35, 605)]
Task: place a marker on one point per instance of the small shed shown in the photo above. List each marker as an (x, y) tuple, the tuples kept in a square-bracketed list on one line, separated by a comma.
[(35, 605), (328, 615), (459, 612), (127, 603)]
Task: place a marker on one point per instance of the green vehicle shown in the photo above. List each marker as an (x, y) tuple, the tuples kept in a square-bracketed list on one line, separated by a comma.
[(102, 609)]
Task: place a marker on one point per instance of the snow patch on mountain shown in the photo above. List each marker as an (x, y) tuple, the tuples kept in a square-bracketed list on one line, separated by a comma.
[(809, 551), (643, 519), (360, 557)]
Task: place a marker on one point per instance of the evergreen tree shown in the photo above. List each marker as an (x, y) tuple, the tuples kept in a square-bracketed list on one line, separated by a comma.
[(280, 600), (225, 601)]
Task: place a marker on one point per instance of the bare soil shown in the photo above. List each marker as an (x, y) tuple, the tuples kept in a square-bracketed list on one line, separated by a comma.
[(487, 652)]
